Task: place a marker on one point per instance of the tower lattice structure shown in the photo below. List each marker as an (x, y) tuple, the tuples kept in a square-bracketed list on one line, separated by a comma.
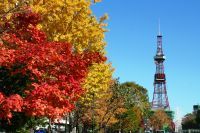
[(160, 98)]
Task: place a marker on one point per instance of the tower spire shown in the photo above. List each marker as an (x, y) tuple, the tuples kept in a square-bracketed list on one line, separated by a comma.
[(159, 33)]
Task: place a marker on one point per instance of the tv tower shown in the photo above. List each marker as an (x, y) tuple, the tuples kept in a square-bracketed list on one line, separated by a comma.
[(160, 98)]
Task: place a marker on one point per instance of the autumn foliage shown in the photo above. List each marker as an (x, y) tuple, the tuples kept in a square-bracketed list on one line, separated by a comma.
[(159, 119), (72, 21), (54, 70)]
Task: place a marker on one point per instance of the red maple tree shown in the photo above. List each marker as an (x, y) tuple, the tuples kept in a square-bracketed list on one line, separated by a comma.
[(55, 70)]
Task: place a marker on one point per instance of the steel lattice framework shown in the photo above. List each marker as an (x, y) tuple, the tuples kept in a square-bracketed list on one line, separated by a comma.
[(160, 98)]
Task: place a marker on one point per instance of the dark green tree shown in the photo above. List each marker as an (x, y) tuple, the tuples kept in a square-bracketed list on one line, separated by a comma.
[(198, 118), (189, 121)]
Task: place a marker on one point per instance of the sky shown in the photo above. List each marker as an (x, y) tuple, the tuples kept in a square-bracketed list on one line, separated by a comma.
[(131, 45)]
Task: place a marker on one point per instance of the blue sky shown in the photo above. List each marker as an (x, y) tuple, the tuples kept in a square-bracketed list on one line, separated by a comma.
[(131, 45)]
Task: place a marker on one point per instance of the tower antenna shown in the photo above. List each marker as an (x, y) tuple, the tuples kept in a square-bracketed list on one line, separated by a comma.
[(159, 33)]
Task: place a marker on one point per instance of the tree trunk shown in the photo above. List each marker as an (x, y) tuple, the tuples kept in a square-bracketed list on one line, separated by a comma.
[(101, 130), (85, 127), (50, 128)]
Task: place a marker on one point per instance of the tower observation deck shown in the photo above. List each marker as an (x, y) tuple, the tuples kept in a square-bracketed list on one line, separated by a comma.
[(160, 98)]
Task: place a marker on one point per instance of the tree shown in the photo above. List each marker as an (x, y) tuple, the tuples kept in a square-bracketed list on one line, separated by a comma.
[(52, 71), (70, 21), (189, 121), (160, 119), (136, 95), (130, 120), (98, 110), (136, 103), (198, 118), (96, 88), (122, 107), (108, 107), (73, 21)]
